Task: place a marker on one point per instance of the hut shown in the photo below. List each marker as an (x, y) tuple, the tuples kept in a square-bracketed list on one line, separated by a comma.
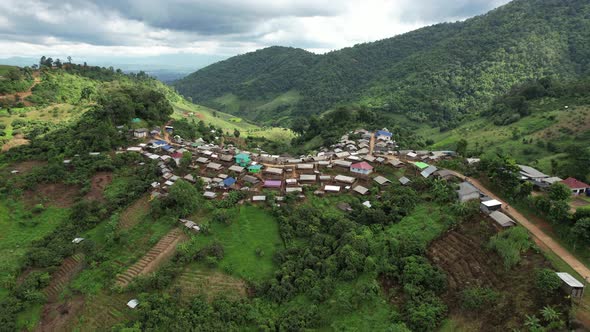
[(381, 180), (361, 190), (571, 285)]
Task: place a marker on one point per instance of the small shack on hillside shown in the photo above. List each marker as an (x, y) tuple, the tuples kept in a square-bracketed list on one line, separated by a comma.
[(571, 285), (490, 206), (501, 219), (467, 192)]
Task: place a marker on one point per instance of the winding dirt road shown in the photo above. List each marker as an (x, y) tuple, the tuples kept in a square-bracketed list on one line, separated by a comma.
[(540, 237)]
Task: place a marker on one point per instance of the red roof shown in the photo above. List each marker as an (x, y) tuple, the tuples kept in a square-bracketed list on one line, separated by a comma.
[(176, 155), (362, 165), (574, 183)]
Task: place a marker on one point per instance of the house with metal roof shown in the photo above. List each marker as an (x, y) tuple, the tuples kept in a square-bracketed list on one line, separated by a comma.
[(502, 219), (250, 179), (529, 173), (404, 180), (428, 171), (381, 180), (242, 159), (467, 192), (344, 179), (228, 182), (273, 184), (383, 135), (420, 165), (571, 285), (363, 168), (236, 168), (360, 190), (576, 186)]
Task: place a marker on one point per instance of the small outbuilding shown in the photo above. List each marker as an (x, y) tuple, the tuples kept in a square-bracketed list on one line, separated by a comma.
[(571, 285), (361, 190), (501, 219), (381, 180), (490, 206), (404, 181)]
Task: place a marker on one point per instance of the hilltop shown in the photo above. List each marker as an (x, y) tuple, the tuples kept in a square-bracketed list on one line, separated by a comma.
[(439, 74)]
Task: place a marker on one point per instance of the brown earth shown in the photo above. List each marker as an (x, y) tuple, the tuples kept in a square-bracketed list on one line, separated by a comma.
[(58, 316), (98, 183), (462, 255), (17, 140), (64, 274), (23, 95), (24, 166), (56, 194), (132, 214), (161, 252)]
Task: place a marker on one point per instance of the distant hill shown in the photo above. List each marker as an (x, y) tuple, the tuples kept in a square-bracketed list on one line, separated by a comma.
[(438, 74)]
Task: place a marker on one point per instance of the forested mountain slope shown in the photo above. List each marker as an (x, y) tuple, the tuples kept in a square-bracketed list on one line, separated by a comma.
[(435, 74)]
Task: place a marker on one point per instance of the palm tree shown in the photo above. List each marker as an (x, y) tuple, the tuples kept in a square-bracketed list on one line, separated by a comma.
[(550, 314), (532, 322)]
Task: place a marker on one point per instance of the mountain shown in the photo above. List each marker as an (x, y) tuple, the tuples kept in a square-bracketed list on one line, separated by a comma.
[(438, 74)]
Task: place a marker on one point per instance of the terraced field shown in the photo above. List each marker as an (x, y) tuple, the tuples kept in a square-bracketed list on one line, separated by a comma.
[(197, 279), (163, 250), (60, 278), (134, 213), (102, 311)]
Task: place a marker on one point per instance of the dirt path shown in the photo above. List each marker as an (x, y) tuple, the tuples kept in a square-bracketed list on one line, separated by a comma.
[(372, 144), (24, 94), (163, 250), (539, 235)]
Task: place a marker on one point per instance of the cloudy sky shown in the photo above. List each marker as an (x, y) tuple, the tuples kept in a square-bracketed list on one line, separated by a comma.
[(216, 28)]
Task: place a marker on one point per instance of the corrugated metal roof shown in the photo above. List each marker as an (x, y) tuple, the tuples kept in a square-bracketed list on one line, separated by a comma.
[(569, 280)]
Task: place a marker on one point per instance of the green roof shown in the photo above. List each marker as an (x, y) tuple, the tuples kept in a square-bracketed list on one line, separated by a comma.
[(255, 167), (421, 165), (136, 120), (242, 156)]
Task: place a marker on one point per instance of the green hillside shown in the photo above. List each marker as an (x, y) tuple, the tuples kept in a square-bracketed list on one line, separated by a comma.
[(436, 74)]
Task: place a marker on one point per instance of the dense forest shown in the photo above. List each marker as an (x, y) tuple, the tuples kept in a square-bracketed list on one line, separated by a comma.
[(438, 74)]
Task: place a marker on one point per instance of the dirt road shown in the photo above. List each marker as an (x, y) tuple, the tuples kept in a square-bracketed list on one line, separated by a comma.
[(539, 235)]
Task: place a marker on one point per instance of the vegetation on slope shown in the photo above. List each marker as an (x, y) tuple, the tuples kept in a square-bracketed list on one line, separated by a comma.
[(437, 74)]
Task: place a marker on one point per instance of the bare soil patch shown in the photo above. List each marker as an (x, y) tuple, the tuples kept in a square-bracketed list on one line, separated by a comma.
[(462, 255), (64, 274), (58, 316), (98, 183), (17, 140), (55, 194), (24, 166)]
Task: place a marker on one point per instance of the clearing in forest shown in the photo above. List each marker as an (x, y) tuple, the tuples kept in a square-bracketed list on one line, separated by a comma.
[(163, 250), (249, 243), (198, 279), (98, 183), (55, 194)]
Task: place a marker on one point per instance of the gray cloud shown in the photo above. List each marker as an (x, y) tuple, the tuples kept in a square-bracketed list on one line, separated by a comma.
[(214, 26)]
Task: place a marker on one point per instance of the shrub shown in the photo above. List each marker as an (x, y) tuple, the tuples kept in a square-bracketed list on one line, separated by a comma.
[(476, 298), (546, 281), (509, 244)]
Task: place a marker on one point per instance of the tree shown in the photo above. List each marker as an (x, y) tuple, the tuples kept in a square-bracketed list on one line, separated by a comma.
[(299, 126), (182, 199), (581, 231), (236, 133), (550, 314), (42, 61), (185, 160), (559, 192), (462, 147), (69, 59), (58, 63)]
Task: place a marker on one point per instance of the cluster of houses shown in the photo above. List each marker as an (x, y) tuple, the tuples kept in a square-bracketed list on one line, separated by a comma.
[(541, 180), (347, 166)]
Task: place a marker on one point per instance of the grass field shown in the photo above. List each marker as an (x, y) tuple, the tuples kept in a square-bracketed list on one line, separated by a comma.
[(423, 224), (252, 229), (19, 229), (5, 69), (549, 122)]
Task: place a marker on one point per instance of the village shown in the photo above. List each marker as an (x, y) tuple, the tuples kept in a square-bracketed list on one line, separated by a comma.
[(350, 166)]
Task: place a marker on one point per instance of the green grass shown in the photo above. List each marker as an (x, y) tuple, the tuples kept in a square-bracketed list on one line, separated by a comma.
[(423, 224), (288, 98), (252, 229), (18, 231), (4, 69), (221, 120), (543, 124), (28, 319)]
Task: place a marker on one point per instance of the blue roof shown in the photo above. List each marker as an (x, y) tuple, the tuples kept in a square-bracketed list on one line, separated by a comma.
[(161, 142), (384, 133), (229, 181), (166, 147), (242, 156)]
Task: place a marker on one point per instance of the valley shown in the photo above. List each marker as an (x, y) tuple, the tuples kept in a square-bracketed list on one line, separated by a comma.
[(432, 181)]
